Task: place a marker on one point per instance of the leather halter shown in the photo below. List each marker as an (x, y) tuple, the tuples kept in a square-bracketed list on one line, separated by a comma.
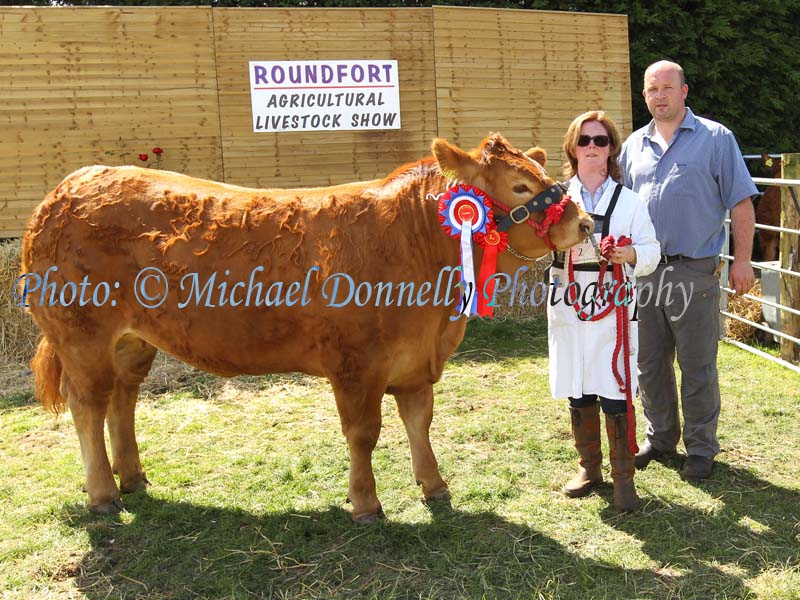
[(544, 201)]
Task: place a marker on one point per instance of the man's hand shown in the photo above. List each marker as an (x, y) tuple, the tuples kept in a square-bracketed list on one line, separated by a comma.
[(740, 276)]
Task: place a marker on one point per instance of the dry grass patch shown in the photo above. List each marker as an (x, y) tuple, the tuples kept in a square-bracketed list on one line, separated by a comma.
[(517, 304), (747, 309), (18, 333)]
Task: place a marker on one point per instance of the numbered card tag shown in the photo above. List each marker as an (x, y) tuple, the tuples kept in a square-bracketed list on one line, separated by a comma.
[(584, 252)]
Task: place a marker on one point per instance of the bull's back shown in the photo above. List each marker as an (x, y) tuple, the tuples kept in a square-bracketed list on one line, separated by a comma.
[(247, 275)]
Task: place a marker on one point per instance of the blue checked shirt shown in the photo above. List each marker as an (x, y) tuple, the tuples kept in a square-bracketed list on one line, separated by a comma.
[(689, 187)]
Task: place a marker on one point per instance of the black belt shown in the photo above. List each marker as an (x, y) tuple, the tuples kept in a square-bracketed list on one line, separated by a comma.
[(673, 258), (579, 267)]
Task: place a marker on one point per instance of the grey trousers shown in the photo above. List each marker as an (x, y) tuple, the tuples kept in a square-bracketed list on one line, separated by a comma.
[(681, 315)]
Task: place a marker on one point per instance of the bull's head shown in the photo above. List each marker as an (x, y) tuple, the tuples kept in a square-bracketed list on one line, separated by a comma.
[(514, 179)]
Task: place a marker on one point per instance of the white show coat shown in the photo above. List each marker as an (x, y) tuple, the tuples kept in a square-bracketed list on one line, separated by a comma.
[(581, 352)]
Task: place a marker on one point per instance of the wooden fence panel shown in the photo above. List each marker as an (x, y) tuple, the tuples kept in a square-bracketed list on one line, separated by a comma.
[(90, 85), (100, 86), (527, 74), (310, 158)]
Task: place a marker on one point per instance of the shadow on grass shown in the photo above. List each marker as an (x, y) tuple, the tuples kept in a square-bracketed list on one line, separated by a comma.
[(747, 527), (17, 400), (167, 549), (16, 385), (179, 550)]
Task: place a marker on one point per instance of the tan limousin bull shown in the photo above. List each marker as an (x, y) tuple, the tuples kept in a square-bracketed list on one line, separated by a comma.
[(120, 237)]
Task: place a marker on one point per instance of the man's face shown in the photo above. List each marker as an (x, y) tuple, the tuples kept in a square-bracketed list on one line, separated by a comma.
[(664, 94)]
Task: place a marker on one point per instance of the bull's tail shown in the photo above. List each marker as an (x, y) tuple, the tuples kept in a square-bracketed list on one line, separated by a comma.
[(46, 366)]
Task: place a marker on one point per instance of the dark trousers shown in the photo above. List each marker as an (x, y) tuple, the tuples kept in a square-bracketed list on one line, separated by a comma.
[(610, 406), (668, 325)]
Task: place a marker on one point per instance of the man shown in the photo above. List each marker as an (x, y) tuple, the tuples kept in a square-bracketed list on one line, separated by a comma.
[(689, 171)]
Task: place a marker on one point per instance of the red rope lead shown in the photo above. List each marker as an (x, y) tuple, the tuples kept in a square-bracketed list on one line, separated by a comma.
[(607, 245), (552, 217)]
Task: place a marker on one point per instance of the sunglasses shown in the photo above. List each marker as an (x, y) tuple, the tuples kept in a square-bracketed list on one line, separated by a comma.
[(601, 141)]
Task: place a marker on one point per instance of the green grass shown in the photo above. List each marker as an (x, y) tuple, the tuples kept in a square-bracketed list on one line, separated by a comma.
[(250, 477)]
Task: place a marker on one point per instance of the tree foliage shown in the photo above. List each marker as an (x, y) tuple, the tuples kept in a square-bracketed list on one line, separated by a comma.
[(741, 59)]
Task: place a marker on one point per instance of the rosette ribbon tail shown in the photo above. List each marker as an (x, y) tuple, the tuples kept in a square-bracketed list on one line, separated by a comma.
[(486, 283), (469, 288)]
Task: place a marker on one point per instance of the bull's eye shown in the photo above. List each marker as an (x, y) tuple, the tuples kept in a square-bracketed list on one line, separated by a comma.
[(521, 189)]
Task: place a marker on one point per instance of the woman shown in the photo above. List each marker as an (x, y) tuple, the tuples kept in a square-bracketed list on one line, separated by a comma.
[(582, 341)]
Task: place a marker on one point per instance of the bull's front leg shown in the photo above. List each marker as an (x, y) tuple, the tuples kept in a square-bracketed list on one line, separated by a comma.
[(416, 410), (360, 414)]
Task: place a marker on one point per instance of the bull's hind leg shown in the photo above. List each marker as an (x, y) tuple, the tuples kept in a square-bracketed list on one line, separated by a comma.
[(86, 383), (359, 408), (416, 410), (132, 360)]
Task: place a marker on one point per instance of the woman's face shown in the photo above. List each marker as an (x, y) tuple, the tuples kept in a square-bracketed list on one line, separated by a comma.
[(593, 156)]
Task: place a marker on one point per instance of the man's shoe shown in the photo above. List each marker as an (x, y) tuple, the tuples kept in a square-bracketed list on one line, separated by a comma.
[(697, 467), (647, 453)]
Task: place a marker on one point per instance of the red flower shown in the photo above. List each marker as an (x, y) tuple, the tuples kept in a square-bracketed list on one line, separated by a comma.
[(157, 151), (143, 157)]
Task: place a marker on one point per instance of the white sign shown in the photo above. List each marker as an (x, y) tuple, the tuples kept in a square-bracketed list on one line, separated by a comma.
[(311, 95)]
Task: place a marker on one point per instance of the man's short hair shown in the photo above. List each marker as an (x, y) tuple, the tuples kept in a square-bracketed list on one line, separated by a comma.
[(663, 63)]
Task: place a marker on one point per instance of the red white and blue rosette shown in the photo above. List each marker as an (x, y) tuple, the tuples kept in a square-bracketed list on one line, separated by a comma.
[(464, 211)]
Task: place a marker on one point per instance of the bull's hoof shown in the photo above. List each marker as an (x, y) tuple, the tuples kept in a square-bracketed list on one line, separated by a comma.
[(442, 493), (134, 486), (370, 517), (113, 507)]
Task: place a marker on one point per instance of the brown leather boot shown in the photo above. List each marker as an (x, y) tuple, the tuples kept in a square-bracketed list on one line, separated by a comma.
[(586, 433), (622, 469)]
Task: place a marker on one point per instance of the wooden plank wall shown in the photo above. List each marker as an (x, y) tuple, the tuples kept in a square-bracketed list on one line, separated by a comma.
[(293, 159), (528, 74), (101, 85)]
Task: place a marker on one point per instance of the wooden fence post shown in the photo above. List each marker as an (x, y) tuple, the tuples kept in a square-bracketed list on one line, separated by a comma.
[(790, 259)]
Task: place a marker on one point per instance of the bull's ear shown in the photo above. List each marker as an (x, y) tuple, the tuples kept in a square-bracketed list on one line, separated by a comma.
[(537, 154), (453, 161)]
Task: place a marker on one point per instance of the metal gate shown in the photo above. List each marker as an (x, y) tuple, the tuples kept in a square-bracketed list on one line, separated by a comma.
[(770, 301)]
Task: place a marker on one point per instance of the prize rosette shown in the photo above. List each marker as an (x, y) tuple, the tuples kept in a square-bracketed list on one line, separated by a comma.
[(463, 203), (465, 211)]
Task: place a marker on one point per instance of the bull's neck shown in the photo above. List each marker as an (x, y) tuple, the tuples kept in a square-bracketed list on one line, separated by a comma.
[(417, 188), (416, 180)]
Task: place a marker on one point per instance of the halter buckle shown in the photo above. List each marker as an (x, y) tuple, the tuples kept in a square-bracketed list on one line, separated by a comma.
[(522, 219)]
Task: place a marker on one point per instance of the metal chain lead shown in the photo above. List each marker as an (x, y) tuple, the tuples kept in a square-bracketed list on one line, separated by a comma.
[(513, 252)]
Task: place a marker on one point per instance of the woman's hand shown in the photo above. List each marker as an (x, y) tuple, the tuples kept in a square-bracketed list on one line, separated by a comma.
[(625, 254)]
